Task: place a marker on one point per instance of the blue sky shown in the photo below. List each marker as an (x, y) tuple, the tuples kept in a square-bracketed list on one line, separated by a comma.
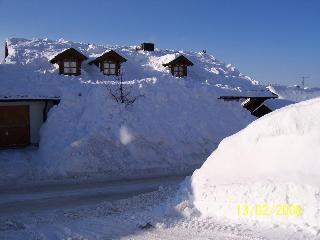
[(272, 41)]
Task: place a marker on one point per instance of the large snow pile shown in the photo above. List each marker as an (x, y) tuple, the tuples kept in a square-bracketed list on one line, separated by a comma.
[(295, 93), (274, 163), (173, 125)]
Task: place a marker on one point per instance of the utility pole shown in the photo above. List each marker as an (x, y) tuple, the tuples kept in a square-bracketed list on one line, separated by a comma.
[(304, 80)]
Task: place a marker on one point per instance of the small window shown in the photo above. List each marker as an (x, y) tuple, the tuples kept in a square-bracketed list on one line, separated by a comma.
[(70, 67), (109, 68), (178, 70)]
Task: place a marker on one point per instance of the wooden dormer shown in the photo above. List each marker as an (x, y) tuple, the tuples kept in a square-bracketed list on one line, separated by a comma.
[(69, 62), (178, 66), (109, 63)]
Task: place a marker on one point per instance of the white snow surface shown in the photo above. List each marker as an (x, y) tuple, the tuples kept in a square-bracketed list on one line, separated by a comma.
[(125, 218), (295, 93), (273, 161), (172, 126)]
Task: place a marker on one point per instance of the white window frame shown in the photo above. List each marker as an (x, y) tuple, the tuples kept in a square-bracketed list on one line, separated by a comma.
[(109, 68), (69, 66)]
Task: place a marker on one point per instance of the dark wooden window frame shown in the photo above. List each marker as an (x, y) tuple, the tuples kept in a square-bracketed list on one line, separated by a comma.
[(179, 70), (107, 70), (75, 67)]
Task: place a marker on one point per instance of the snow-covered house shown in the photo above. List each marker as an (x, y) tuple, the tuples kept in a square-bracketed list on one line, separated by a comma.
[(173, 124), (252, 101), (283, 96)]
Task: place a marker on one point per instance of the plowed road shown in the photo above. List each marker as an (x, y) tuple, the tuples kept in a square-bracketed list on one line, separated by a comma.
[(64, 195)]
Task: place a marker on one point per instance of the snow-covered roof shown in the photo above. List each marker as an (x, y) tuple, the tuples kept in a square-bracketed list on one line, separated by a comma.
[(67, 53), (28, 98), (27, 70), (274, 104), (251, 94), (295, 93), (179, 60)]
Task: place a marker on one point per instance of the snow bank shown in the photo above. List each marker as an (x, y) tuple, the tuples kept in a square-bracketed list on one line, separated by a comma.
[(172, 126), (168, 128), (273, 161)]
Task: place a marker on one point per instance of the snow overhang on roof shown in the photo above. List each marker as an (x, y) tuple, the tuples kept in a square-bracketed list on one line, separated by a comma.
[(17, 98), (67, 53), (109, 55), (179, 60), (31, 74), (260, 92), (251, 95)]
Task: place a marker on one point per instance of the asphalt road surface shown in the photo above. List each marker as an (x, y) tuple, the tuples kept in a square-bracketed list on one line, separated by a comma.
[(65, 195)]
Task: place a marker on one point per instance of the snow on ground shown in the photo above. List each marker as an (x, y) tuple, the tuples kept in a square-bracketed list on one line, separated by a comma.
[(294, 93), (139, 217), (172, 126), (272, 162), (259, 173)]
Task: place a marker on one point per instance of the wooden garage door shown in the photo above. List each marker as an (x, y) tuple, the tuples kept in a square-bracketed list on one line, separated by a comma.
[(14, 126)]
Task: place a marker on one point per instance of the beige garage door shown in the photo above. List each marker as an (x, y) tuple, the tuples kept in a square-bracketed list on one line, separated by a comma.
[(14, 126)]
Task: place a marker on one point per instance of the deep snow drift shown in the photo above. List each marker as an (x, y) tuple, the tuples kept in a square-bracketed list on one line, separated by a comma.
[(172, 126), (273, 161)]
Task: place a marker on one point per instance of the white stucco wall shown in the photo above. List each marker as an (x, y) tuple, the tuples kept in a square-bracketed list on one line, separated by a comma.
[(35, 117)]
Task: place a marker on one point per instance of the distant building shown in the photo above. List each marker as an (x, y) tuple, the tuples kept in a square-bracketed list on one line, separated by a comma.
[(147, 47), (253, 101)]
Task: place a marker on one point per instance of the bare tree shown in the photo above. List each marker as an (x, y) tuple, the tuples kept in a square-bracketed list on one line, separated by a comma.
[(121, 92)]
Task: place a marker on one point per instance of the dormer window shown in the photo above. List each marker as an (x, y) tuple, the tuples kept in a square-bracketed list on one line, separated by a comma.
[(109, 68), (69, 62), (179, 70), (178, 66), (109, 63), (70, 67)]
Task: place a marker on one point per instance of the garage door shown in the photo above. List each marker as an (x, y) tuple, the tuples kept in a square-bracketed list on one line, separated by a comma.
[(14, 126)]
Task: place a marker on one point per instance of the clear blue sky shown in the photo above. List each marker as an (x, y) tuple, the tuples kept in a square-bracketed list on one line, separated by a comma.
[(274, 41)]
